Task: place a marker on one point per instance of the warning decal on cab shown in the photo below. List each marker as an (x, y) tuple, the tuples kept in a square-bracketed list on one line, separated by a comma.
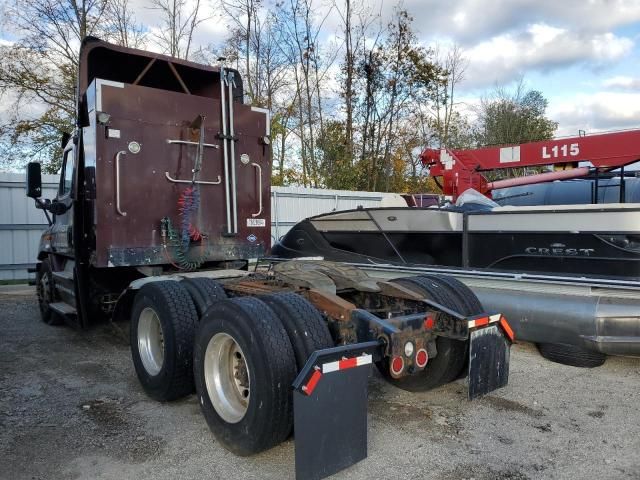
[(256, 222)]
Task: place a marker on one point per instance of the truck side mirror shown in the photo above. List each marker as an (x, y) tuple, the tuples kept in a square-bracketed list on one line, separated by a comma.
[(34, 180)]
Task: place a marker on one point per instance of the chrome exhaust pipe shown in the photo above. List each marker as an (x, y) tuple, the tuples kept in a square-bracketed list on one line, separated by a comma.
[(231, 84), (225, 155)]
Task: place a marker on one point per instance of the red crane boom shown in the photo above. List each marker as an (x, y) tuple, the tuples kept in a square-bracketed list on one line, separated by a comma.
[(460, 169)]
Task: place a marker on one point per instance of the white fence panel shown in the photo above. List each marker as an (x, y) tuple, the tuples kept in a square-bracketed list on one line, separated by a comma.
[(21, 224), (289, 205)]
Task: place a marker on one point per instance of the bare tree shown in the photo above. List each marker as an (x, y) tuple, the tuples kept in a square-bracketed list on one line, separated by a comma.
[(300, 29), (243, 16), (454, 65), (121, 25), (357, 18), (180, 19)]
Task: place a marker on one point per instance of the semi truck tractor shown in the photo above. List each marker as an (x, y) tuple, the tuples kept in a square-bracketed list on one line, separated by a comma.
[(163, 200)]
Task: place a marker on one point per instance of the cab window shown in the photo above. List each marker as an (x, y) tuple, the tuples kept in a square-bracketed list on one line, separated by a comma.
[(66, 179)]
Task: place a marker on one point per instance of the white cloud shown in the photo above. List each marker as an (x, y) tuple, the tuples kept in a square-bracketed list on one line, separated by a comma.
[(541, 47), (622, 82), (595, 112), (471, 21)]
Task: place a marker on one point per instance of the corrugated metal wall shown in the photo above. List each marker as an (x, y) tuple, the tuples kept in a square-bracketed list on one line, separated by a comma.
[(21, 223), (289, 205)]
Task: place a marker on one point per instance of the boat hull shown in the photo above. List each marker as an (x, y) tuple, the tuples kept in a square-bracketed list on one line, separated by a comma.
[(576, 241)]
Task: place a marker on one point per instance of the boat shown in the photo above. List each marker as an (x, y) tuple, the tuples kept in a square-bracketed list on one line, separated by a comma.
[(473, 231), (601, 240)]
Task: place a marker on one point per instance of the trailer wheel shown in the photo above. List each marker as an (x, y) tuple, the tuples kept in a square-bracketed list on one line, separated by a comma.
[(305, 326), (244, 366), (163, 322), (204, 292), (445, 366), (571, 355), (46, 292), (461, 291), (469, 305)]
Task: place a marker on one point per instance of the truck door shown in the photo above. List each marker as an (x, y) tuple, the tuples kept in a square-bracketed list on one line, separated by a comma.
[(62, 230)]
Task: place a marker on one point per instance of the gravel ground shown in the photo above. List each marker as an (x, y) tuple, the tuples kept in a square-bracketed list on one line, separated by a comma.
[(71, 407)]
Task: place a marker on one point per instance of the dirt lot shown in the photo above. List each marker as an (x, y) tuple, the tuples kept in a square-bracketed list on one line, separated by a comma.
[(71, 407)]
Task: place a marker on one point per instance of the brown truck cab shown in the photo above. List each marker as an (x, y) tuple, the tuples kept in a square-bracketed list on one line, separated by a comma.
[(162, 147)]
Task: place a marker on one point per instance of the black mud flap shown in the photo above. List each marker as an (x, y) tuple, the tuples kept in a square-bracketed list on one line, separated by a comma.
[(330, 410), (489, 352)]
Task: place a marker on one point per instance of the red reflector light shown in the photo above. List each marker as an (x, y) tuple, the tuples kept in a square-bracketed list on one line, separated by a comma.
[(313, 381), (421, 358), (429, 322), (507, 329), (397, 365), (481, 322)]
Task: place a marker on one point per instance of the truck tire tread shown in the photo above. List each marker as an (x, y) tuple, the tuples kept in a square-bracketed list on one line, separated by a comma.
[(204, 292), (47, 315), (461, 291), (306, 328), (177, 313), (272, 369), (572, 355)]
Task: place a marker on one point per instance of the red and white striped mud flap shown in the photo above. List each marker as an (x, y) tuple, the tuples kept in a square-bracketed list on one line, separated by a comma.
[(330, 409), (490, 340)]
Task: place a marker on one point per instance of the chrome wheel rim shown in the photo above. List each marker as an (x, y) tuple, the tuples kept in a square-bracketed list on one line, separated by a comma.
[(150, 341), (226, 375)]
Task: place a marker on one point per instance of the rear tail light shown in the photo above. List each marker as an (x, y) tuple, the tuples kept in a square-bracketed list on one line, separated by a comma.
[(421, 358), (429, 322), (397, 366)]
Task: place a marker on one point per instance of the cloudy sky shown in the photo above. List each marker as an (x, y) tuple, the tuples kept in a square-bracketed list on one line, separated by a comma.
[(584, 55)]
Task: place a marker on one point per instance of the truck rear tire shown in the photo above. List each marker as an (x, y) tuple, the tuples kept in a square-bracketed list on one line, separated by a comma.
[(46, 292), (163, 322), (304, 324), (244, 366), (571, 355), (451, 357), (204, 292)]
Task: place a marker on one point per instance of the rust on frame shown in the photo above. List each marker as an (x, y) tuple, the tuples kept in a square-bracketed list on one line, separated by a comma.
[(331, 305)]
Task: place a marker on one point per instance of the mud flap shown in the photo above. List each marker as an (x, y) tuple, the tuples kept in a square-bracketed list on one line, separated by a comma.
[(489, 352), (330, 410)]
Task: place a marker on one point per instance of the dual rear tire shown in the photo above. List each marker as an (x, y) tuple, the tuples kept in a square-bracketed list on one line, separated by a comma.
[(247, 353), (240, 354), (163, 325)]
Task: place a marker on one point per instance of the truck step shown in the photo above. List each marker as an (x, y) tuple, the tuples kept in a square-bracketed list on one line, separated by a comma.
[(63, 282), (63, 309), (63, 276)]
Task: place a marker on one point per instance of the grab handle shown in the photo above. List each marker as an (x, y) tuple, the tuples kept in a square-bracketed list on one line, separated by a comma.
[(259, 170), (198, 182), (118, 209)]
